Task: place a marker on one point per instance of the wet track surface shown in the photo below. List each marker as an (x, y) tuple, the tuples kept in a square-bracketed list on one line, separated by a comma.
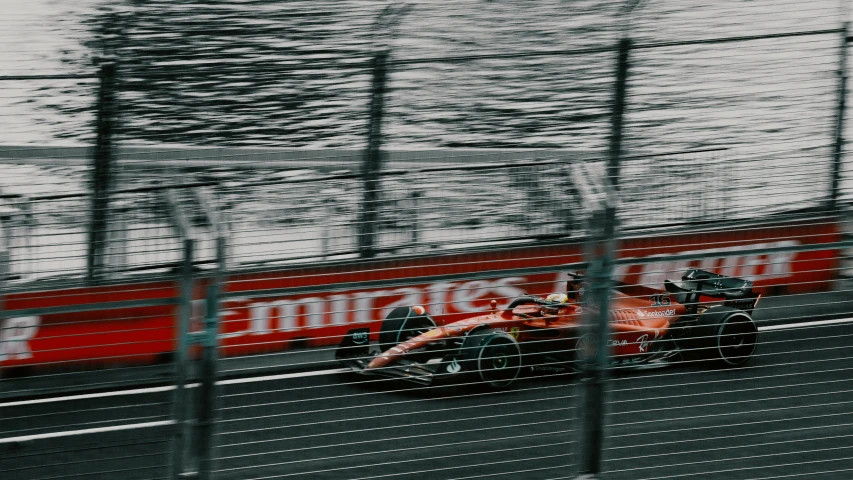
[(788, 413)]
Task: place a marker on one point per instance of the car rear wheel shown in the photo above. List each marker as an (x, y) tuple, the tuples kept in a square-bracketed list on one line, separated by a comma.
[(723, 335), (404, 323), (737, 337)]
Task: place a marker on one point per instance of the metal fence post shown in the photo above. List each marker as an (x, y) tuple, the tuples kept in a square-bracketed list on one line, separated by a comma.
[(619, 93), (373, 158), (838, 147), (597, 326), (5, 270), (6, 220), (182, 346), (330, 217), (600, 251), (209, 340), (22, 240), (207, 393), (415, 212), (101, 173), (180, 405), (119, 237)]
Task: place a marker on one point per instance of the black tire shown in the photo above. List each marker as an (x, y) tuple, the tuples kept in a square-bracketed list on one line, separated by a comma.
[(494, 356), (584, 352), (724, 336), (402, 324)]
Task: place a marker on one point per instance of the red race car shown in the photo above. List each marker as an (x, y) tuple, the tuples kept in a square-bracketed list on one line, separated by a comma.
[(707, 317)]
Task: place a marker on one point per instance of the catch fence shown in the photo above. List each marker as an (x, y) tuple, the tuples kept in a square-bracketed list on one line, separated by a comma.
[(776, 157), (175, 312), (305, 215)]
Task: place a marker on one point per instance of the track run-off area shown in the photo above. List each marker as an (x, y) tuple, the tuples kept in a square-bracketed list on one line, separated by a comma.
[(787, 414)]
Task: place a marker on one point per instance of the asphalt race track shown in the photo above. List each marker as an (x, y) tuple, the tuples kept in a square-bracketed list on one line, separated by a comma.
[(788, 414)]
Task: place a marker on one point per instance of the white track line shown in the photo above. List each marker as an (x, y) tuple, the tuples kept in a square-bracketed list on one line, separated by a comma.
[(116, 428), (285, 376), (235, 381), (117, 393), (169, 388), (789, 326)]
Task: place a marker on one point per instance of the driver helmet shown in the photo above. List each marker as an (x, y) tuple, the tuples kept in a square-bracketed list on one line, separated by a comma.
[(555, 302), (574, 287)]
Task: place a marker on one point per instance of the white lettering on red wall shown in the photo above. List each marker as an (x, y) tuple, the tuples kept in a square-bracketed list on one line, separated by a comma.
[(15, 336), (274, 323), (250, 317), (243, 316), (749, 267)]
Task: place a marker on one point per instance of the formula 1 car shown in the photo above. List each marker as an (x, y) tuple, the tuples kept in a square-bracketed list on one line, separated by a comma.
[(705, 318)]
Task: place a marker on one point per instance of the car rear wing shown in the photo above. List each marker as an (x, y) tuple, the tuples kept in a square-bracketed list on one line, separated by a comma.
[(696, 283), (716, 285)]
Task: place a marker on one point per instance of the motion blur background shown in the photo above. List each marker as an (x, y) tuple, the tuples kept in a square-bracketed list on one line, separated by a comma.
[(244, 126), (731, 112), (292, 74)]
